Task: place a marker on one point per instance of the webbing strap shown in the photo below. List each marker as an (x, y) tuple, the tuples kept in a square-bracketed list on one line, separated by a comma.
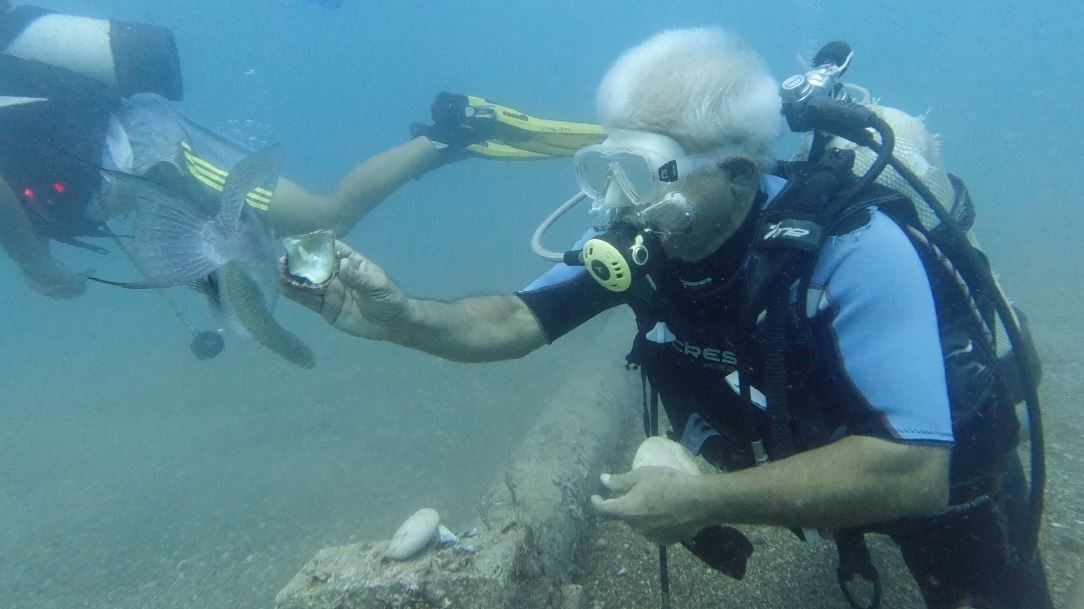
[(855, 562)]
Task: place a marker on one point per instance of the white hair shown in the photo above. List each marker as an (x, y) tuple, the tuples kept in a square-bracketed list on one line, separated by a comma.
[(704, 87)]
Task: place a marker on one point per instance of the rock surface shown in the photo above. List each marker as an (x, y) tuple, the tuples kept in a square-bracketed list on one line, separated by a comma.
[(533, 519)]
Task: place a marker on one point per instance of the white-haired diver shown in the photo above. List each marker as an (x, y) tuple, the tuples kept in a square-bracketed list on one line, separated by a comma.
[(792, 317)]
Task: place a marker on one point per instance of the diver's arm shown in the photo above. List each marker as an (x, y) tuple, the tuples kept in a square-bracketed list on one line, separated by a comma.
[(31, 253), (17, 235), (295, 210), (854, 481), (477, 329), (363, 301)]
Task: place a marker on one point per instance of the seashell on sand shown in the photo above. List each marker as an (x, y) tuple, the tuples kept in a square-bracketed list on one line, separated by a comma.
[(657, 451), (415, 534)]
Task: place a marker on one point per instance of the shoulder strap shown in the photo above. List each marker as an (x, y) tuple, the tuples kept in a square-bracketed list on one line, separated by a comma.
[(794, 227)]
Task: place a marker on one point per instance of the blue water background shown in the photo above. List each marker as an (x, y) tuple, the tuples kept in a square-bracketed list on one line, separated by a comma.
[(126, 465)]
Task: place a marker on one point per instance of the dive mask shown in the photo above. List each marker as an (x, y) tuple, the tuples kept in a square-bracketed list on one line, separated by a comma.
[(642, 174)]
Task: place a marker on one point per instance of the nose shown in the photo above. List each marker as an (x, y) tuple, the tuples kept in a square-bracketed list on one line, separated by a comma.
[(615, 196)]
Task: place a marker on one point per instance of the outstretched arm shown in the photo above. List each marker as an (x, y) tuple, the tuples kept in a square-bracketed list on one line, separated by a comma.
[(364, 302), (296, 210)]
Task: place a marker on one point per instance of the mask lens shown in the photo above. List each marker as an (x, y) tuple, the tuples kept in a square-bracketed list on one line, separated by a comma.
[(593, 172), (636, 176), (632, 170)]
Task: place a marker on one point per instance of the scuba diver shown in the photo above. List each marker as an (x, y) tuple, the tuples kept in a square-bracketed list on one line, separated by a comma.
[(85, 99), (835, 346)]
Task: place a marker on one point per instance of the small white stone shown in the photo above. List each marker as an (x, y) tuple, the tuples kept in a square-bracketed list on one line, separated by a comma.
[(415, 534), (658, 451)]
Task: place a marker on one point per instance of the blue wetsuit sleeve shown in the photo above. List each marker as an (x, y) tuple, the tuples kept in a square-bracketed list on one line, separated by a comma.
[(882, 323), (565, 297)]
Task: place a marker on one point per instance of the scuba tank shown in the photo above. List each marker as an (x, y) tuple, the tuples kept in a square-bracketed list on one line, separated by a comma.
[(127, 57), (893, 149), (818, 102), (76, 70)]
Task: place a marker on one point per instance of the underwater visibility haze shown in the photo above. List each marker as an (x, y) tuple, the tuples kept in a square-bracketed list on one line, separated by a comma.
[(134, 475)]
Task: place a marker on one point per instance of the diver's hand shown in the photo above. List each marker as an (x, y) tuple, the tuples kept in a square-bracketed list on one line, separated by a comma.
[(361, 300), (660, 503), (50, 278)]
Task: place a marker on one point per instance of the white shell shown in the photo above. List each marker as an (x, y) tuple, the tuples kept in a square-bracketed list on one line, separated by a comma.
[(657, 451), (311, 256), (415, 534)]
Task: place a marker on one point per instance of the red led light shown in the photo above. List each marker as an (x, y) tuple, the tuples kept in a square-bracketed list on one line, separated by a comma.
[(59, 187), (29, 193)]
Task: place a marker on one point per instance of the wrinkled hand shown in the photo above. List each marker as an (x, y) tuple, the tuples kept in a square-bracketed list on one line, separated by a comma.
[(660, 503), (51, 279), (361, 300)]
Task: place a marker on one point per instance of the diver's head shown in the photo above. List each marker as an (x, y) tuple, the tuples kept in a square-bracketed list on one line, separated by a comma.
[(690, 114)]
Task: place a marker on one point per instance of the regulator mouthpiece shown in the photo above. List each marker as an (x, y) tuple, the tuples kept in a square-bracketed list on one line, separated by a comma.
[(616, 258)]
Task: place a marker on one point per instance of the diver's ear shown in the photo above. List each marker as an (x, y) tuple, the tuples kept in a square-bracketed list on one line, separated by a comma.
[(741, 174)]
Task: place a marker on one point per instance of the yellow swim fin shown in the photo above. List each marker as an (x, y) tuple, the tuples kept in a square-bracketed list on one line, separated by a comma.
[(495, 150), (493, 131), (543, 136)]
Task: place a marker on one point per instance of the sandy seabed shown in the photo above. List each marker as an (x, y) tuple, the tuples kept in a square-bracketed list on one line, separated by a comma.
[(180, 489)]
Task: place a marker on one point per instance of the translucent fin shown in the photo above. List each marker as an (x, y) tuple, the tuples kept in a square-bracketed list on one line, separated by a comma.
[(175, 243), (253, 313), (136, 285), (9, 100), (254, 171)]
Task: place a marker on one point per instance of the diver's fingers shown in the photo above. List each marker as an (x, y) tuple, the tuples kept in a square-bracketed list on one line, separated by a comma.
[(621, 483), (611, 509), (343, 250), (363, 277)]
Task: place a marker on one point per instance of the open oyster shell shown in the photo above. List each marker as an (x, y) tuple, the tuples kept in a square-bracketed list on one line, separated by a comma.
[(310, 258)]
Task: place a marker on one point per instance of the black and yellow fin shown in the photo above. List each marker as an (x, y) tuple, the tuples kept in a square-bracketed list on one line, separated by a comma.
[(515, 135)]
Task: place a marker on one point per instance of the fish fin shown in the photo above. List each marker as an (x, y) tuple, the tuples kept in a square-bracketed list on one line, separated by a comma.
[(9, 101), (253, 314), (134, 285), (175, 242), (204, 286), (256, 170)]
